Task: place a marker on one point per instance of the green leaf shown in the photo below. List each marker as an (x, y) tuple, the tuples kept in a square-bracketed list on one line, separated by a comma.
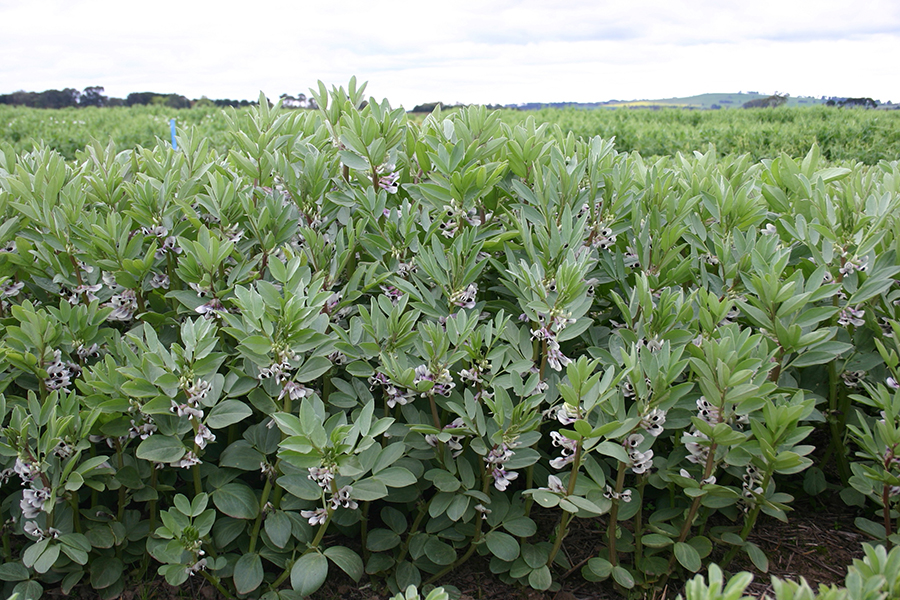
[(656, 540), (545, 498), (395, 477), (13, 571), (248, 573), (757, 556), (540, 578), (623, 577), (688, 556), (438, 552), (312, 368), (408, 574), (278, 528), (348, 561), (28, 590), (226, 413), (236, 500), (814, 481), (160, 448), (380, 540), (502, 545), (520, 527), (105, 572), (309, 573)]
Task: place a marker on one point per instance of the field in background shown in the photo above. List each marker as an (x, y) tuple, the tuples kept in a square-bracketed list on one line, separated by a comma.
[(842, 134)]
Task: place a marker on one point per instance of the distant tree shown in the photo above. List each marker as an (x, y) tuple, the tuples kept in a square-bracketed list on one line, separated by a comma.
[(772, 101), (861, 102), (93, 96), (57, 98), (203, 102)]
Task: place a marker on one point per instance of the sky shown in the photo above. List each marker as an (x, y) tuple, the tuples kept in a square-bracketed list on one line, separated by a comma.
[(481, 51)]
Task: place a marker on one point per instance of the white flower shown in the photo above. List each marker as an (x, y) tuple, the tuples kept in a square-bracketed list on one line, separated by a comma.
[(32, 502), (892, 383), (315, 517), (342, 498), (502, 477), (653, 421), (641, 462), (321, 475), (189, 460), (698, 452), (566, 413), (465, 298), (203, 436), (554, 484)]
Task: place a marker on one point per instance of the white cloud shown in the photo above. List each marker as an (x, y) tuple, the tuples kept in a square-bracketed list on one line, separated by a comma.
[(468, 51)]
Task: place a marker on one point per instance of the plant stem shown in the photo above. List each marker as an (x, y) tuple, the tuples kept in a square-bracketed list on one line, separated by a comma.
[(639, 522), (566, 517), (216, 584), (254, 535), (613, 526)]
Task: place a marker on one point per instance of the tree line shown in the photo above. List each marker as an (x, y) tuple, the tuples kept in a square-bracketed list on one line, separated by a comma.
[(94, 96)]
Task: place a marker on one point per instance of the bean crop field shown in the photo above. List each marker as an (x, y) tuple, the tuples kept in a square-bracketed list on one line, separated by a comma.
[(347, 352), (842, 134)]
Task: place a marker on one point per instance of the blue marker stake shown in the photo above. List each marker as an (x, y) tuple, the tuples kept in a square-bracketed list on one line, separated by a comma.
[(172, 127)]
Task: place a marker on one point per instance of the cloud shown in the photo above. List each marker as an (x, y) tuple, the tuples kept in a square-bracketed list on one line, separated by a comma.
[(469, 51)]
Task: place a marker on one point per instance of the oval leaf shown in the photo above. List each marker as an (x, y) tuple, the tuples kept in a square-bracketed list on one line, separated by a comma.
[(502, 545), (309, 573), (248, 573), (236, 500)]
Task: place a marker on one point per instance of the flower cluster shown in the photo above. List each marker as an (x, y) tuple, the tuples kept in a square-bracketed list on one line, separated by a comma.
[(393, 395), (569, 447), (555, 358), (752, 483), (566, 414), (852, 379), (496, 459), (124, 305), (389, 182), (443, 382), (697, 445), (455, 441), (855, 264), (610, 494), (852, 316), (641, 462), (60, 374), (465, 298), (652, 422)]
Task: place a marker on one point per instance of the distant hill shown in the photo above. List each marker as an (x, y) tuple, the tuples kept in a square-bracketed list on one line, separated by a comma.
[(702, 101)]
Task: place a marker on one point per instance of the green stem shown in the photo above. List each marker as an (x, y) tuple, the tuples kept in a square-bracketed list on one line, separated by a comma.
[(423, 508), (748, 524), (364, 530), (838, 403), (254, 535), (152, 506), (76, 515), (639, 522), (566, 517), (613, 526), (216, 584)]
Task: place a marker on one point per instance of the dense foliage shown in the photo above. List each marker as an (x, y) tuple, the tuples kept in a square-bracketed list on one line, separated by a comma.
[(841, 134), (409, 335)]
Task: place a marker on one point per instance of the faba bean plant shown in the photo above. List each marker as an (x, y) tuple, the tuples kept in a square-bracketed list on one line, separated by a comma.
[(354, 343)]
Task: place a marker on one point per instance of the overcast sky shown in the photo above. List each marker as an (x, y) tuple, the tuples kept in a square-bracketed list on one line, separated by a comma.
[(470, 51)]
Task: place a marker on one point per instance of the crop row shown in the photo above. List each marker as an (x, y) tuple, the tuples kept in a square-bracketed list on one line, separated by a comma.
[(410, 335)]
